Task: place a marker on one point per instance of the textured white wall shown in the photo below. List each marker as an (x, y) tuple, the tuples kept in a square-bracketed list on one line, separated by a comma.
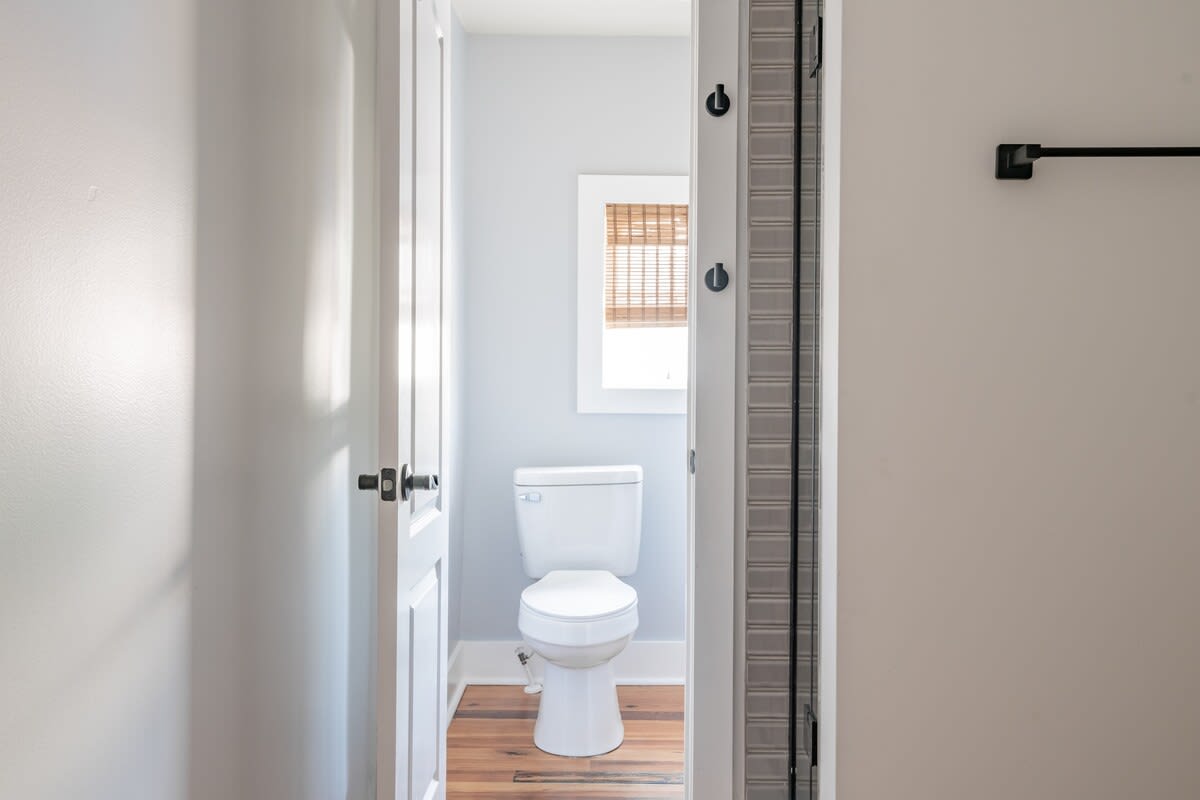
[(96, 317), (540, 112), (1019, 440)]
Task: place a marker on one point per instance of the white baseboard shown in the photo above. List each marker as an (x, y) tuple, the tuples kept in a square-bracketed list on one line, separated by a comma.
[(455, 683), (641, 663)]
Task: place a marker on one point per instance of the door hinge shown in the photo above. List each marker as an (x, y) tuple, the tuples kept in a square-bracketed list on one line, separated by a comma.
[(816, 47), (692, 461), (810, 734)]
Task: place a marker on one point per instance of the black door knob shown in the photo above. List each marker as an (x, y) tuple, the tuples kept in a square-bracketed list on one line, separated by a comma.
[(385, 482), (411, 482), (425, 483)]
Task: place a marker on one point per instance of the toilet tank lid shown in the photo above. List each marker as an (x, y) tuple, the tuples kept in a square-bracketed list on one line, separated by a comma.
[(577, 476)]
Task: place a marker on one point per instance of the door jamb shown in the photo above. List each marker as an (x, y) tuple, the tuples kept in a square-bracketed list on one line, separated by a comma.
[(390, 209), (827, 579), (712, 691)]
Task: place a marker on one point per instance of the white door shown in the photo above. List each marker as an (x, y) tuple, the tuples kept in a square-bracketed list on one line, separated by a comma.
[(412, 545)]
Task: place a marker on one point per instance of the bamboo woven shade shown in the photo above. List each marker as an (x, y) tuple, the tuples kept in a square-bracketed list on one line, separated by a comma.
[(645, 265)]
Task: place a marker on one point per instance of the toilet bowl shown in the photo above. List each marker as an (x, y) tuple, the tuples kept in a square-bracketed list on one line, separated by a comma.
[(578, 621), (580, 530)]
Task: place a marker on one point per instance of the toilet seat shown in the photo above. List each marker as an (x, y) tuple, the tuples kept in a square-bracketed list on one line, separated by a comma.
[(581, 595), (578, 608)]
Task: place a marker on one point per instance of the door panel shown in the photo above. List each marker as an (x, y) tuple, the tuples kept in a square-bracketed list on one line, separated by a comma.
[(412, 543), (425, 664), (428, 537), (427, 272)]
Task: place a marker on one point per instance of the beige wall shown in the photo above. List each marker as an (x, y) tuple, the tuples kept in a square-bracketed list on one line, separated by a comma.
[(1019, 404)]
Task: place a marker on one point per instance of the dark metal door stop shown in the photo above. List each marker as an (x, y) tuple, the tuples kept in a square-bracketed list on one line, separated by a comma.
[(716, 278), (718, 103)]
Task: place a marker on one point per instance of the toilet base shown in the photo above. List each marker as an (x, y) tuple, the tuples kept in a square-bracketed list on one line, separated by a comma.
[(579, 715)]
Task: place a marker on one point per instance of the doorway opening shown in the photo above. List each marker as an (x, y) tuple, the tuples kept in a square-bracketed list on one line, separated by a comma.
[(548, 465), (571, 237)]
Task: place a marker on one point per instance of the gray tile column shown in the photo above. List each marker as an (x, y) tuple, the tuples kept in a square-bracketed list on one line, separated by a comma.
[(771, 172)]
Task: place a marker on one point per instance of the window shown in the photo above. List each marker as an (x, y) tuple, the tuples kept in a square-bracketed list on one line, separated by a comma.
[(633, 294)]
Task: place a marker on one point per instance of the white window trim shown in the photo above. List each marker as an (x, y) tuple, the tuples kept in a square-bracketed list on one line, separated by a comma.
[(594, 192)]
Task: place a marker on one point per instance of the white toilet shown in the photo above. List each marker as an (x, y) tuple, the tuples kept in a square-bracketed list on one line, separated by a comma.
[(580, 528)]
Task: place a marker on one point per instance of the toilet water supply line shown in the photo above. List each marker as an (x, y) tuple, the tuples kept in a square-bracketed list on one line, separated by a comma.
[(525, 655)]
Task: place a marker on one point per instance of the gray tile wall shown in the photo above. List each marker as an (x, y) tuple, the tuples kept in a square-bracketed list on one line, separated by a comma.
[(768, 391)]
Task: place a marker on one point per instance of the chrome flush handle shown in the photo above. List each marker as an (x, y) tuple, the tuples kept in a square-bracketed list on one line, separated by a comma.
[(531, 497)]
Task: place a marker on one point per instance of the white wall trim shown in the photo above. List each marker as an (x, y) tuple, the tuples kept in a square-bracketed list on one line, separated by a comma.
[(495, 663), (455, 682), (712, 681), (831, 140)]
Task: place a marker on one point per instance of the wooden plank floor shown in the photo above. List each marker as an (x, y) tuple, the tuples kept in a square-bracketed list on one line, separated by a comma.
[(490, 752)]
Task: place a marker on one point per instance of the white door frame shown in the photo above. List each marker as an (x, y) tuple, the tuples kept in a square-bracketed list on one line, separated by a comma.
[(827, 579), (393, 204), (712, 693)]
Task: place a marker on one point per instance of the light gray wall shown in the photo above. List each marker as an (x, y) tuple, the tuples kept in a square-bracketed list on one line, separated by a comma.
[(1019, 404), (96, 316), (308, 547), (458, 315), (223, 479), (186, 577), (540, 112)]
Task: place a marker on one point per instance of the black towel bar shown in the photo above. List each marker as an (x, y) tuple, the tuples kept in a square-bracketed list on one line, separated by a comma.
[(1014, 162)]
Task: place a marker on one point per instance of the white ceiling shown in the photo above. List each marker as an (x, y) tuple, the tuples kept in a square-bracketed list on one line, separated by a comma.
[(576, 17)]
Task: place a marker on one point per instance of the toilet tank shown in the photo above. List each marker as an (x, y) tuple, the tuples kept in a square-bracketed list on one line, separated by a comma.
[(579, 518)]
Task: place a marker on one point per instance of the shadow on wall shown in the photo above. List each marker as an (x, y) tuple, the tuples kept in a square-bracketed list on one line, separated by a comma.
[(283, 566)]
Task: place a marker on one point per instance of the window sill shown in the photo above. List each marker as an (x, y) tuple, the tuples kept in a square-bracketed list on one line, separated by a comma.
[(597, 400)]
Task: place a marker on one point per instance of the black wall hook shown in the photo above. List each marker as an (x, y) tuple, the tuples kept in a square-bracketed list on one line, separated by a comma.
[(716, 278), (718, 103)]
